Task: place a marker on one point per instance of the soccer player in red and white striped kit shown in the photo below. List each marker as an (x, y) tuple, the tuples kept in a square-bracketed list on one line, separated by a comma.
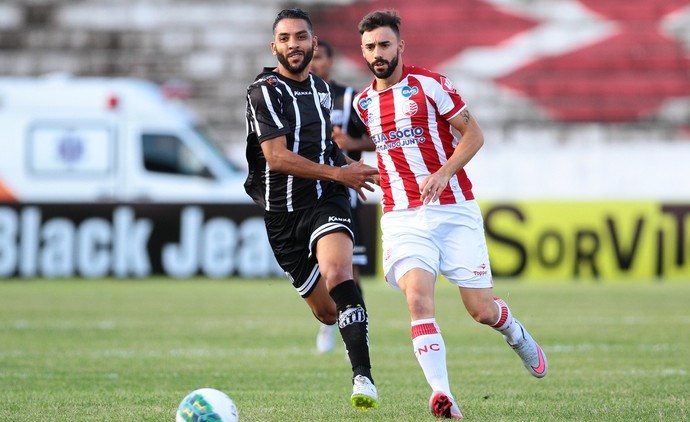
[(431, 222)]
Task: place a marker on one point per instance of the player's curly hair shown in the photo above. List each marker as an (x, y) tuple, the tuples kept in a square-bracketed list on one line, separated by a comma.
[(378, 19)]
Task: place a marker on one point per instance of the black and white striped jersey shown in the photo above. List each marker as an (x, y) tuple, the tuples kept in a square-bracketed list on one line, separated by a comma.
[(301, 111)]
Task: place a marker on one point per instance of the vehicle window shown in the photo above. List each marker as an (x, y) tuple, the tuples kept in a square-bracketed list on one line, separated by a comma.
[(167, 154), (217, 150)]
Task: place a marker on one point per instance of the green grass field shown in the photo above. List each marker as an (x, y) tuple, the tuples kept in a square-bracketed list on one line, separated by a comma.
[(116, 350)]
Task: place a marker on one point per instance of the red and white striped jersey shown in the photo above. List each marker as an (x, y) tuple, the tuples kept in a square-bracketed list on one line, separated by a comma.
[(408, 122)]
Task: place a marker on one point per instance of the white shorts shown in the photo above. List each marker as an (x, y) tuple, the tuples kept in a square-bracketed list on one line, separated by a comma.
[(446, 239)]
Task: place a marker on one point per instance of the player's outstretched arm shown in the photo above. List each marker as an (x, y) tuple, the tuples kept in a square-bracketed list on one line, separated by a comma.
[(356, 175)]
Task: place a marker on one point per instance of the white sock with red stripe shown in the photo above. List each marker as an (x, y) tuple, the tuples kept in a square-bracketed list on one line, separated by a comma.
[(430, 351), (506, 323)]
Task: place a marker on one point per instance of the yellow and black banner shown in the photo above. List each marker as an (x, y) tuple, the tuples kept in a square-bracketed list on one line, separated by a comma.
[(588, 240)]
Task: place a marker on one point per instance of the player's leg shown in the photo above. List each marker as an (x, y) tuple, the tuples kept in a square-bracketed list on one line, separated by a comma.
[(326, 337), (410, 264), (321, 304), (487, 309), (334, 254), (427, 342), (465, 262)]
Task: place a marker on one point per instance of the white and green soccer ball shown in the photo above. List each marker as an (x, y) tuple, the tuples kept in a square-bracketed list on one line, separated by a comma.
[(207, 405)]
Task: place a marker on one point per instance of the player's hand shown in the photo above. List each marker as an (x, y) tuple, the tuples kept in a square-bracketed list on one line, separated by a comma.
[(358, 176), (431, 187)]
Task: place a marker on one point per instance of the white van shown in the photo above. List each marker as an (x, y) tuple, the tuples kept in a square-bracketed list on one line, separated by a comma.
[(83, 139)]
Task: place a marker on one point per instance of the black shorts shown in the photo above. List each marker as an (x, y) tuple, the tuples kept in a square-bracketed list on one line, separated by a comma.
[(293, 235)]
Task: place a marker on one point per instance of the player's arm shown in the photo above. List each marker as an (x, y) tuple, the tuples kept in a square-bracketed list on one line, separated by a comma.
[(471, 141), (356, 175)]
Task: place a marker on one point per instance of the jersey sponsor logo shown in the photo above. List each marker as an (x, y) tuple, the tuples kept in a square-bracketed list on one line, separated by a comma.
[(400, 144), (447, 85), (300, 93), (407, 91), (412, 132), (410, 108), (398, 138), (365, 103), (338, 219)]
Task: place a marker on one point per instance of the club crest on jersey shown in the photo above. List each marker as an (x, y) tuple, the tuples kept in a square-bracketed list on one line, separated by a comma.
[(447, 85), (325, 100), (271, 80), (407, 91), (410, 108), (365, 103)]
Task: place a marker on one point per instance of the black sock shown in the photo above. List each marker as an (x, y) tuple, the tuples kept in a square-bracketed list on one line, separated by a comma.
[(359, 290), (353, 323)]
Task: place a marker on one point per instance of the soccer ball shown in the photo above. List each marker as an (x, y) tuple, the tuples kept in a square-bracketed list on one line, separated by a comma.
[(207, 405)]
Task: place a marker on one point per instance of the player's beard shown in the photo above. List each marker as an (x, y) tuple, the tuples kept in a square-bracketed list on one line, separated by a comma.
[(283, 59), (388, 71)]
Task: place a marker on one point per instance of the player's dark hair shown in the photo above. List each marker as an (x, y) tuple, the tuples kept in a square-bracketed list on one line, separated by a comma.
[(378, 19), (293, 14), (326, 47)]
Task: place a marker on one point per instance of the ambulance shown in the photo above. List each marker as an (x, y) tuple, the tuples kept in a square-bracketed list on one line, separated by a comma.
[(86, 139)]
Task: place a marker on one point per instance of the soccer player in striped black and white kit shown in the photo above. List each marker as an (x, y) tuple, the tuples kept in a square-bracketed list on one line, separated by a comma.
[(431, 222), (351, 136), (300, 178)]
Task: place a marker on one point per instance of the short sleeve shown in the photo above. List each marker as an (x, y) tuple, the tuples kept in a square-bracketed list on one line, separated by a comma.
[(265, 105)]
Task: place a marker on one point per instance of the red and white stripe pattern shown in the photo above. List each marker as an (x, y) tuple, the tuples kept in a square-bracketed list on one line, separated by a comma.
[(408, 122), (505, 318), (424, 327)]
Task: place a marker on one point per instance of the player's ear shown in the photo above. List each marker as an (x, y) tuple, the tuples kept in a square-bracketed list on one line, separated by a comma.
[(401, 46), (315, 42), (273, 48)]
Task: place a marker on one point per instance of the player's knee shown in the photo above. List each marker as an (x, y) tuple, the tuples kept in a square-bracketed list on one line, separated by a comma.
[(335, 273), (483, 314)]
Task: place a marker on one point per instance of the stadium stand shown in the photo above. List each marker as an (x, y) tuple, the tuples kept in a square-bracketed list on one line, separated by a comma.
[(546, 65)]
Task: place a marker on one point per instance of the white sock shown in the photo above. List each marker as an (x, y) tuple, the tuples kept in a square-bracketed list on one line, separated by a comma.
[(506, 324), (430, 350)]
